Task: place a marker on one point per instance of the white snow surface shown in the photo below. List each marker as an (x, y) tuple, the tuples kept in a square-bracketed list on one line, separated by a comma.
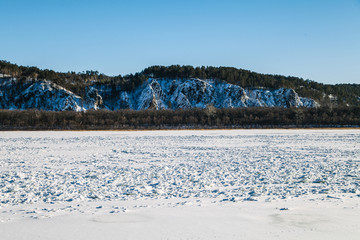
[(222, 184)]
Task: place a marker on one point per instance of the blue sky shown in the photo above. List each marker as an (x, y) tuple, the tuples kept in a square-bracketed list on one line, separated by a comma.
[(312, 39)]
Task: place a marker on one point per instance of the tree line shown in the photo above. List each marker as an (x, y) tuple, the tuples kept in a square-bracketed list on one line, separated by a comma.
[(209, 117)]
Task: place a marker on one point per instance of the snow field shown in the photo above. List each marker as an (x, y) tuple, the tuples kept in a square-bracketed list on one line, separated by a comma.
[(141, 165), (109, 174)]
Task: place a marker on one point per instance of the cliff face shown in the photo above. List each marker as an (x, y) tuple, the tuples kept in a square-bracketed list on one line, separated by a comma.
[(196, 93), (153, 94)]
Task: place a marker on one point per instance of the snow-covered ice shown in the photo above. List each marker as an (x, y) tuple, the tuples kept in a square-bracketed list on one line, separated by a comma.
[(225, 184)]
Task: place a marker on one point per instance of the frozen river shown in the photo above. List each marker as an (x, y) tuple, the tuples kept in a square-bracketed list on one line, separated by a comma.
[(104, 176)]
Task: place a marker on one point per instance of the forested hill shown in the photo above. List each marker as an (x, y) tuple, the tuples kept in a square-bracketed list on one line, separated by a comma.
[(325, 94)]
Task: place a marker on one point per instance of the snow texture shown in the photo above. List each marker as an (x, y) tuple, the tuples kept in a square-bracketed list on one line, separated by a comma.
[(233, 184)]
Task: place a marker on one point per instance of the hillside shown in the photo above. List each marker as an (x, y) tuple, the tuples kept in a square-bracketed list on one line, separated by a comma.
[(153, 94), (160, 87)]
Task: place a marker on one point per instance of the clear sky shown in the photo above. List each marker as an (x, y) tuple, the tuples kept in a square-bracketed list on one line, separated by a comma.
[(312, 39)]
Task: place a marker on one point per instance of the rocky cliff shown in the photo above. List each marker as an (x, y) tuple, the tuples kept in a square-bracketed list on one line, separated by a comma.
[(153, 94)]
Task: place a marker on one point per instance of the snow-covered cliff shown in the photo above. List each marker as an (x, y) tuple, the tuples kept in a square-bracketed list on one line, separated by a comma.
[(45, 95), (196, 93), (153, 94)]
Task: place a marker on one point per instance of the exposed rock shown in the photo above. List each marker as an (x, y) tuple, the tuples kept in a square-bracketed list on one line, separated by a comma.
[(153, 94)]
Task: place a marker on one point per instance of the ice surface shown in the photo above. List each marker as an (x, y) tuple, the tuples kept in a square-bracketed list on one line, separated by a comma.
[(114, 176)]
